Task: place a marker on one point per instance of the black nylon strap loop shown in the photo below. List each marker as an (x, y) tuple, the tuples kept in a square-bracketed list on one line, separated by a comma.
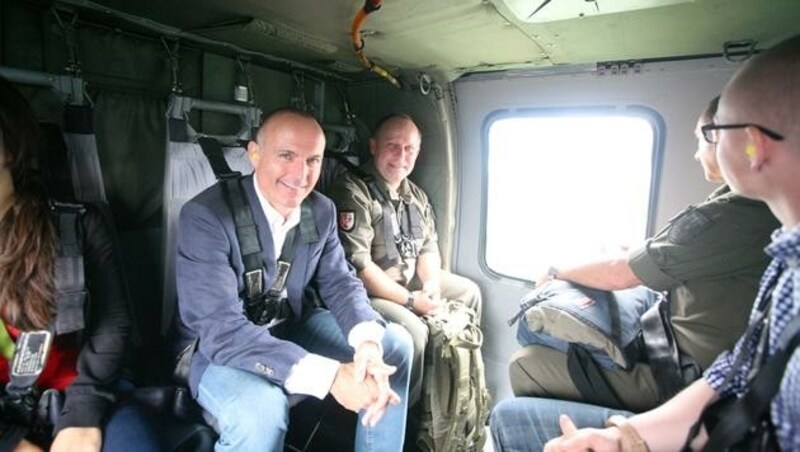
[(589, 379), (662, 349)]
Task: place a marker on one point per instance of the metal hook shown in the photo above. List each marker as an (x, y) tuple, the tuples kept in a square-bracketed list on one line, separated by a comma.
[(243, 92), (298, 99), (73, 64), (424, 81), (174, 59)]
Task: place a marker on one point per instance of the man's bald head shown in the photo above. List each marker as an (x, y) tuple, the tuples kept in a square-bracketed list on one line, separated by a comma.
[(281, 117), (766, 90)]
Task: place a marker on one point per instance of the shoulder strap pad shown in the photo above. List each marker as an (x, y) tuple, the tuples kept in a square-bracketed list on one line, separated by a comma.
[(69, 278)]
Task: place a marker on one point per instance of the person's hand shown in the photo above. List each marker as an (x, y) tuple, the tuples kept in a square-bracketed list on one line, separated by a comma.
[(351, 393), (542, 280), (433, 289), (80, 439), (369, 364), (27, 446), (572, 439), (424, 304)]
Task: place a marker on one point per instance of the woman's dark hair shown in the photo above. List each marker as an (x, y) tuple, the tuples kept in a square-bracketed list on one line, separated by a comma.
[(27, 234)]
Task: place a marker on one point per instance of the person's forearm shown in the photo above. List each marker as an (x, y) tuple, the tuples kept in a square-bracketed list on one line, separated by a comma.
[(608, 274), (666, 427), (380, 285), (429, 267)]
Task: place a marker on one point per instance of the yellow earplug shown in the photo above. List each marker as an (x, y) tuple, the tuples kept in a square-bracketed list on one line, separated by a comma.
[(750, 150)]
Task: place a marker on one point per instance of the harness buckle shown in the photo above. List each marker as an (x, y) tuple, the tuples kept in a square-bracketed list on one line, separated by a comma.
[(254, 283), (406, 246)]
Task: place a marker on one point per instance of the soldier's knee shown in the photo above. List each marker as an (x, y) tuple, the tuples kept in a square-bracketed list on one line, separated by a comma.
[(535, 370)]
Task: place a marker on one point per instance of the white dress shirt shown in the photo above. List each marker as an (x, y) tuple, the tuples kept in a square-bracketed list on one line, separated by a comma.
[(313, 374)]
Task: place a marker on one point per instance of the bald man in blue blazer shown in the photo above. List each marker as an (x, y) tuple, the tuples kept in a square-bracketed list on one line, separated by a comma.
[(242, 372)]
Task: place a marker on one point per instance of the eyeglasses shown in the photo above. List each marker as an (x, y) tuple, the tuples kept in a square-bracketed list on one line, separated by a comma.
[(711, 135)]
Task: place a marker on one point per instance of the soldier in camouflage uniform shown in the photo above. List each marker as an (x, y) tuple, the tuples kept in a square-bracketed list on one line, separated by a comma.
[(386, 225)]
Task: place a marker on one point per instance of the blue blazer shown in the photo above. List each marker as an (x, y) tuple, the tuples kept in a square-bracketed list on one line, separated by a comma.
[(210, 279)]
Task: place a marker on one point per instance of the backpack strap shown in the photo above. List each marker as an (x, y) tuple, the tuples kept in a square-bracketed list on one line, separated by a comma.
[(662, 353), (588, 378)]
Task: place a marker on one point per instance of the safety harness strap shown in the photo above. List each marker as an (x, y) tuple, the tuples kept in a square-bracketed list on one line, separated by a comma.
[(256, 293), (70, 280), (247, 234), (758, 324), (246, 231), (389, 233), (213, 152), (750, 409)]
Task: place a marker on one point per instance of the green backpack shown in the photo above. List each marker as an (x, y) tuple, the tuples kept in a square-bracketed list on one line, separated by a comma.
[(455, 401)]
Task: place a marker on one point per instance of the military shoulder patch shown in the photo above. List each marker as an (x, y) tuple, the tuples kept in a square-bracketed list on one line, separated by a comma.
[(347, 220)]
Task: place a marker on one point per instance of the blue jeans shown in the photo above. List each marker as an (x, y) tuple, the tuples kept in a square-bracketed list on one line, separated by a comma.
[(253, 413), (129, 428), (527, 423)]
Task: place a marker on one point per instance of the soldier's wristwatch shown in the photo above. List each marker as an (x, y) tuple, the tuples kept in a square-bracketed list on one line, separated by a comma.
[(410, 302)]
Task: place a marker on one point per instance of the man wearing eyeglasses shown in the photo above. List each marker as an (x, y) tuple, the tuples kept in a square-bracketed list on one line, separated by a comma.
[(757, 133), (708, 259)]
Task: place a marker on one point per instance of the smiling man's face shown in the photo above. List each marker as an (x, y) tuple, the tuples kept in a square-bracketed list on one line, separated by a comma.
[(287, 159)]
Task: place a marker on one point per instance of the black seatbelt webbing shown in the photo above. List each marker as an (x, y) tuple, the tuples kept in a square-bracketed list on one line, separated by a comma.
[(308, 231), (414, 221), (392, 255), (247, 235), (213, 152), (662, 349), (246, 231), (69, 276), (754, 404), (284, 264)]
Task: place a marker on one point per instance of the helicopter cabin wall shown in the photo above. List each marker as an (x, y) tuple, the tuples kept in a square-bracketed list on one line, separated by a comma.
[(129, 75), (675, 91)]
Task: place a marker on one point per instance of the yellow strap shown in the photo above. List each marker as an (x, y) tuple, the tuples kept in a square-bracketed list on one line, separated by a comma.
[(7, 346)]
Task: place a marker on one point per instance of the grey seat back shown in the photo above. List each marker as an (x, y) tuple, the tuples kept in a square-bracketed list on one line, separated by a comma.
[(82, 159), (82, 155), (188, 172)]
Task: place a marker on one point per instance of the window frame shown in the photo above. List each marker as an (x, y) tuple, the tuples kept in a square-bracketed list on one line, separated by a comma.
[(648, 114)]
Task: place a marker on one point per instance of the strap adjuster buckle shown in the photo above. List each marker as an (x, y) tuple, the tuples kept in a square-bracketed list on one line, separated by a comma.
[(254, 283)]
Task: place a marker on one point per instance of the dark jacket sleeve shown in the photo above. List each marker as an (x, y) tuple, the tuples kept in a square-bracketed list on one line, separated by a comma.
[(104, 339)]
